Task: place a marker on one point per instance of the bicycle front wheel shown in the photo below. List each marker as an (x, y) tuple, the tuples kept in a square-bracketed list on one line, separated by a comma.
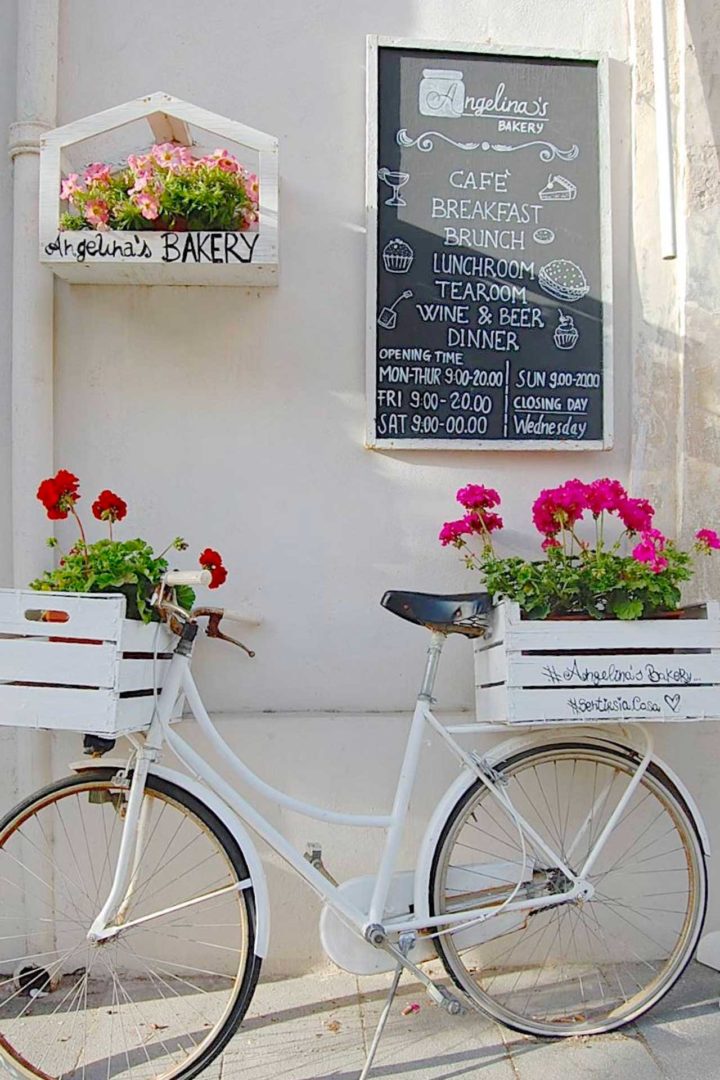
[(582, 967), (162, 997)]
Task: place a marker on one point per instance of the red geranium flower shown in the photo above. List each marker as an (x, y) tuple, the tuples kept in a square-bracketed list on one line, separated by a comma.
[(58, 494), (109, 507), (212, 561)]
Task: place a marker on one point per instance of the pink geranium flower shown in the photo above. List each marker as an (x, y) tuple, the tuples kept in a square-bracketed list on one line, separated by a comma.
[(477, 497), (550, 542), (636, 514), (707, 539), (560, 507), (482, 522), (604, 495), (69, 186), (649, 550), (452, 531)]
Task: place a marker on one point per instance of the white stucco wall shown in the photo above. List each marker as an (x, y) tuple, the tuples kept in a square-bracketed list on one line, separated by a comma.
[(236, 417)]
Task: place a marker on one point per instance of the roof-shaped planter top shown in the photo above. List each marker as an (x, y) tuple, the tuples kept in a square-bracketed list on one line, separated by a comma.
[(159, 253)]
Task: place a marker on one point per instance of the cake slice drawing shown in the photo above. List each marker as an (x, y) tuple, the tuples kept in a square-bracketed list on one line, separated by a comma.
[(558, 189)]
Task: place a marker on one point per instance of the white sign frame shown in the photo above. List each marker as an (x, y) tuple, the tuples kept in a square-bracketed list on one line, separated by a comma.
[(372, 442)]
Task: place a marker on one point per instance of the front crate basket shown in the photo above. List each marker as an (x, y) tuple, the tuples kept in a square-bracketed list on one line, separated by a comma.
[(586, 670), (73, 662)]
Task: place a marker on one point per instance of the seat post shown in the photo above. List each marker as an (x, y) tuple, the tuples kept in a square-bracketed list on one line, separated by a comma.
[(434, 653)]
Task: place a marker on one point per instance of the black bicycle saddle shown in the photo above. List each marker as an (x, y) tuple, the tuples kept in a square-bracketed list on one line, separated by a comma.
[(461, 613)]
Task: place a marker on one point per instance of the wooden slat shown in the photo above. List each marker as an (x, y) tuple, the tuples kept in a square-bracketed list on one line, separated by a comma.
[(90, 616), (58, 708), (138, 674), (59, 663), (491, 703), (663, 669), (140, 637), (615, 703)]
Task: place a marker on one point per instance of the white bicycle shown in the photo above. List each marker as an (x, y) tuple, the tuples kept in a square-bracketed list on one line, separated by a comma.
[(561, 881)]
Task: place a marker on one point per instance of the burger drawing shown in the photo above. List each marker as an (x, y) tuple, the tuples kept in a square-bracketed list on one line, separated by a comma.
[(564, 280)]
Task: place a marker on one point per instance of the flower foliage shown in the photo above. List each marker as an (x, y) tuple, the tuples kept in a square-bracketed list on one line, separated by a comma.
[(167, 188), (130, 567), (598, 579)]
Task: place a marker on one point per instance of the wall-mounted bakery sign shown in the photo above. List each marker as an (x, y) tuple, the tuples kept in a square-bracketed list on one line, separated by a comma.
[(489, 279)]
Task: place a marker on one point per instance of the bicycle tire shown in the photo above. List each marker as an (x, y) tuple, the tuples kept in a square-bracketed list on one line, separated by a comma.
[(153, 998), (557, 996)]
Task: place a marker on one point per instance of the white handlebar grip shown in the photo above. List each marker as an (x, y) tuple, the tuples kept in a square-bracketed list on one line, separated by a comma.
[(248, 616), (188, 577)]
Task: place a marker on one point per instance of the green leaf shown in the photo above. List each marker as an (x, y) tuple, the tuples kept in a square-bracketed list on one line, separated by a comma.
[(627, 609)]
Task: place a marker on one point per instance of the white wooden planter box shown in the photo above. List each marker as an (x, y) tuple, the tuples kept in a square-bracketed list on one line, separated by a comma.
[(91, 673), (88, 257), (554, 670)]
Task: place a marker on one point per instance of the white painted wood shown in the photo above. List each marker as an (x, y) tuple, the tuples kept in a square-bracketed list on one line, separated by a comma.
[(138, 674), (146, 637), (59, 663), (585, 670), (86, 651), (154, 258), (601, 669), (372, 442), (168, 129), (615, 703), (94, 616)]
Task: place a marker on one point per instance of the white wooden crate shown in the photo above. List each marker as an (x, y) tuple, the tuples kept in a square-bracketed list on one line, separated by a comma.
[(555, 670), (73, 662), (112, 257)]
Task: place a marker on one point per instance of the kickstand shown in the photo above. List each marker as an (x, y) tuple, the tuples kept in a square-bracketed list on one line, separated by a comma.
[(405, 947)]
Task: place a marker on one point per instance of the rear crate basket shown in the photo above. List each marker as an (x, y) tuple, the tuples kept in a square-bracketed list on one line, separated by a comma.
[(73, 662), (583, 670)]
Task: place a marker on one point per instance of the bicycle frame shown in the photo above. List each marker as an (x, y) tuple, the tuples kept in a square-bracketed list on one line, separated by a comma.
[(179, 681)]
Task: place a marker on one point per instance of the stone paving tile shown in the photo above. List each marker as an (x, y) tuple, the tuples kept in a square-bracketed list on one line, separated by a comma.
[(299, 1029), (318, 1028), (683, 1032), (429, 1044)]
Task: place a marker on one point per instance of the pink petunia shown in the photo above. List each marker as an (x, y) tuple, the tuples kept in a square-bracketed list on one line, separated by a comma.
[(477, 497), (225, 161), (148, 204), (97, 213), (97, 172), (707, 539), (69, 186), (252, 186), (139, 163)]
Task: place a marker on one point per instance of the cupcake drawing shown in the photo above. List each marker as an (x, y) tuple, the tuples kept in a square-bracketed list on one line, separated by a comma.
[(566, 334), (397, 256)]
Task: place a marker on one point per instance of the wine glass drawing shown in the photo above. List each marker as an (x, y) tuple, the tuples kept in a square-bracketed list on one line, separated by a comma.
[(394, 180)]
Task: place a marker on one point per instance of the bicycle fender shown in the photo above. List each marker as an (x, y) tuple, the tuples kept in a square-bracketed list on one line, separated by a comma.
[(231, 821), (494, 756)]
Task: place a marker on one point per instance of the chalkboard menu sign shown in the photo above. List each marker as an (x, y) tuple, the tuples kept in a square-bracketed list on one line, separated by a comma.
[(489, 277)]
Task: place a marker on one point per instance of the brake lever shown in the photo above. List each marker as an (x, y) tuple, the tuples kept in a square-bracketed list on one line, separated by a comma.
[(213, 630)]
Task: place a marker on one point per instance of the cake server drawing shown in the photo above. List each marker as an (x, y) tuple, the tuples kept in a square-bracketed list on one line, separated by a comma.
[(388, 316)]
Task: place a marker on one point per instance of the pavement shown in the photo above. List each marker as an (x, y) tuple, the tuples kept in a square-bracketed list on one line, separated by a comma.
[(319, 1027)]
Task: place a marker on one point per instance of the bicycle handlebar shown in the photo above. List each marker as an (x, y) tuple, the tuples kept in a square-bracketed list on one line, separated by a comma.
[(187, 577)]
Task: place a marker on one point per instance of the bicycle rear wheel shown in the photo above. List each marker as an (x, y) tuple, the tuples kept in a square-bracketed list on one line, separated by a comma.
[(581, 967), (163, 997)]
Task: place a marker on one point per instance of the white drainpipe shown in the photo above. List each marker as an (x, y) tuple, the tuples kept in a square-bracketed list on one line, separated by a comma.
[(663, 132), (32, 333), (32, 307)]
